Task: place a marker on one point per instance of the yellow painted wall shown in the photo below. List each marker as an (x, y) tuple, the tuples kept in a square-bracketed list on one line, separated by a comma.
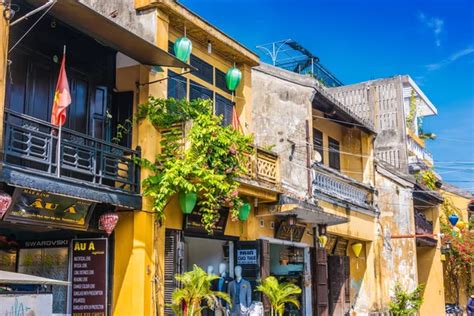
[(353, 145), (460, 202), (430, 272)]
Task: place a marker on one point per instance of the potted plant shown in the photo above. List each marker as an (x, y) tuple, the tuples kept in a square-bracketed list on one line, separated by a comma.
[(195, 290), (279, 294), (405, 303)]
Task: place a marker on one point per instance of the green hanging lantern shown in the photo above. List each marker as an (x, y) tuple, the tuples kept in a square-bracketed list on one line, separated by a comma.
[(232, 78), (187, 201), (244, 211), (182, 48)]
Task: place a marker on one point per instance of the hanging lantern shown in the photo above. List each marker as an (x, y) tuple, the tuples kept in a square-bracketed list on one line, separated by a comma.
[(187, 201), (182, 48), (323, 240), (357, 248), (5, 202), (461, 225), (108, 221), (453, 219), (232, 78), (244, 211)]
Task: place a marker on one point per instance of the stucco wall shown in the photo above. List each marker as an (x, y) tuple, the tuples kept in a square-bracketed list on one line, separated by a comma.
[(122, 12), (397, 256), (280, 111)]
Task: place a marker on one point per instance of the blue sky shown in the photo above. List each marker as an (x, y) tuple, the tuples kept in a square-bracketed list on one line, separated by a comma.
[(433, 41)]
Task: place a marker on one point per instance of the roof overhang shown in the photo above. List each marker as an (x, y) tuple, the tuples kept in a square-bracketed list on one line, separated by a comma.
[(109, 33), (426, 107), (305, 212)]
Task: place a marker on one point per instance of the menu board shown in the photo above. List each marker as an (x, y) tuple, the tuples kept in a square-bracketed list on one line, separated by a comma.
[(89, 277)]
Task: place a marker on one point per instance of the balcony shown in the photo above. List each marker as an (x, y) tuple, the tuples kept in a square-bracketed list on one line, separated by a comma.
[(333, 186), (423, 226), (30, 147), (263, 165), (418, 153)]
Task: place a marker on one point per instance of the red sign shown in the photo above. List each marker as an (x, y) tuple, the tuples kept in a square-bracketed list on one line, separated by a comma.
[(89, 277)]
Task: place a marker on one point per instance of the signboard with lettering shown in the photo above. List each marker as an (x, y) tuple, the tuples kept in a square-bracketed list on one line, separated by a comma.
[(193, 224), (289, 232), (89, 277), (341, 247), (33, 206), (246, 256)]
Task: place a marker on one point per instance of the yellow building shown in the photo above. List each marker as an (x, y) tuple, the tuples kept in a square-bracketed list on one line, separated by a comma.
[(462, 201)]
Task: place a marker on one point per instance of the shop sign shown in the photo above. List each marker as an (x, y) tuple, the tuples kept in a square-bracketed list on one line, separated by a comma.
[(289, 232), (57, 243), (341, 247), (246, 256), (26, 304), (89, 277), (193, 224), (31, 206)]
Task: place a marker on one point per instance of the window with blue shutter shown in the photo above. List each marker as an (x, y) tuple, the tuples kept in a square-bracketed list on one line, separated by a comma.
[(204, 70), (196, 91), (220, 81), (176, 86), (224, 107)]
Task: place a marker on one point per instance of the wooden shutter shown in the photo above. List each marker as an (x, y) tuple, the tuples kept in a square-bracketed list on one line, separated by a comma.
[(334, 158), (338, 285), (320, 281), (265, 269), (172, 265)]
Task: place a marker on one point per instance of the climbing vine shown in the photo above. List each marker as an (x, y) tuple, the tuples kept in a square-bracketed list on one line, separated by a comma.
[(209, 162), (460, 257), (427, 178), (410, 119)]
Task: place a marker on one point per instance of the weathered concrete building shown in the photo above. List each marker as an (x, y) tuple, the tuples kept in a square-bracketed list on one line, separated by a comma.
[(326, 160), (398, 107)]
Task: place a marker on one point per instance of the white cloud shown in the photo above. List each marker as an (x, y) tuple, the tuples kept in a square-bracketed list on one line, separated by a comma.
[(457, 55), (435, 24)]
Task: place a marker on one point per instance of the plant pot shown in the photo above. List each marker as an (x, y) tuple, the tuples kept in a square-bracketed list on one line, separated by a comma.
[(187, 201), (244, 211)]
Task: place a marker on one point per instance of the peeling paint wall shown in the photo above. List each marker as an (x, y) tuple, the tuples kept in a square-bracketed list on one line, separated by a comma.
[(122, 12), (281, 109), (398, 258)]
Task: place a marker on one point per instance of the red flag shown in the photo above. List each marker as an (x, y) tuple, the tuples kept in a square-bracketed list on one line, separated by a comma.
[(62, 97), (235, 120)]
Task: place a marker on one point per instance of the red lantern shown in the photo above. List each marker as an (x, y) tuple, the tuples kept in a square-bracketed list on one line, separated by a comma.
[(5, 201), (108, 221)]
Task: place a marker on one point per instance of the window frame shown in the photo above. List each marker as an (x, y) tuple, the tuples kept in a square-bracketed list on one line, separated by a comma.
[(334, 150)]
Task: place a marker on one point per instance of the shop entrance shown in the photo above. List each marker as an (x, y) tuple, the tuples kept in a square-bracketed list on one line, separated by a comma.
[(289, 263), (208, 254)]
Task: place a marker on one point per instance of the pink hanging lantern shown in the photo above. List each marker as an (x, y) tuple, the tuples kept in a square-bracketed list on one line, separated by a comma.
[(5, 201), (108, 221)]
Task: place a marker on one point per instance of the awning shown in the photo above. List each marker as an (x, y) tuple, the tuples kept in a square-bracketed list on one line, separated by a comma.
[(109, 33), (7, 277), (305, 212)]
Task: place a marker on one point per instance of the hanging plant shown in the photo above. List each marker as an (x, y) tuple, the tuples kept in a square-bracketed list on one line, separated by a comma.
[(244, 211), (187, 201), (182, 48), (232, 78), (209, 165)]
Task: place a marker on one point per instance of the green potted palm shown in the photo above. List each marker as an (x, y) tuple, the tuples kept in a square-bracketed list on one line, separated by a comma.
[(195, 290), (279, 294)]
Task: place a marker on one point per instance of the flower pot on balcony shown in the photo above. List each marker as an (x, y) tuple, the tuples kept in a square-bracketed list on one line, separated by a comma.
[(187, 201), (244, 211)]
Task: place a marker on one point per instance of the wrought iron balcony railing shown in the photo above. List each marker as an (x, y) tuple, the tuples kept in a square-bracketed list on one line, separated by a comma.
[(337, 186), (31, 144)]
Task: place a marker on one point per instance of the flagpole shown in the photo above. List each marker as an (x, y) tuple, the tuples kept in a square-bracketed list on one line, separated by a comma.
[(58, 150)]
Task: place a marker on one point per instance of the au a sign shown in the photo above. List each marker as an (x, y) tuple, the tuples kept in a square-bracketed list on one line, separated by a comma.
[(38, 207)]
